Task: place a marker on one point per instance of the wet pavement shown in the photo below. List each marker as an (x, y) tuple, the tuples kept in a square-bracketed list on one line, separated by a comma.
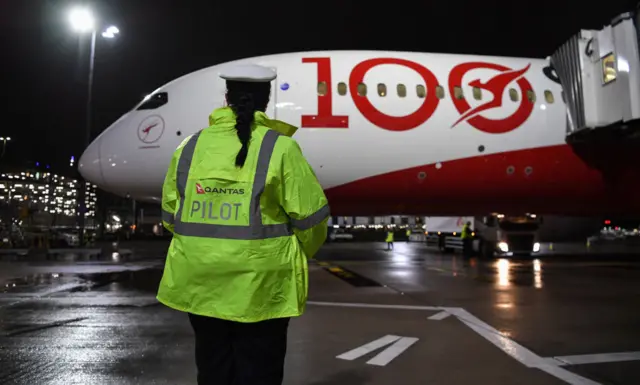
[(408, 316)]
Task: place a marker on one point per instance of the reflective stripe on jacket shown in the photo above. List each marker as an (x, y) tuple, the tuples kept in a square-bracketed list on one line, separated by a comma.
[(241, 236)]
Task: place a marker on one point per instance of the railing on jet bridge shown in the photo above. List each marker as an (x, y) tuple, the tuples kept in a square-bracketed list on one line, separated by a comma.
[(566, 62), (599, 71)]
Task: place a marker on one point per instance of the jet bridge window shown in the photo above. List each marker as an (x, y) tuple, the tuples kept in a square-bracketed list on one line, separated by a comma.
[(342, 88), (382, 89), (548, 96), (421, 91), (322, 88), (609, 68), (513, 95), (156, 100)]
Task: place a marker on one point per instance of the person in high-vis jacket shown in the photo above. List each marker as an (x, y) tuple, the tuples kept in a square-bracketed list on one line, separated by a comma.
[(389, 239), (246, 212), (467, 240)]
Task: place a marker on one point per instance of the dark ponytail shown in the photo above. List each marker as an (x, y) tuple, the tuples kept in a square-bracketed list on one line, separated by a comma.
[(244, 111), (245, 99)]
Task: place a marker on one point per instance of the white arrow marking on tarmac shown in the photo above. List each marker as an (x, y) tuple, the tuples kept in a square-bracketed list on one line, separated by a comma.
[(440, 316), (519, 352), (400, 344)]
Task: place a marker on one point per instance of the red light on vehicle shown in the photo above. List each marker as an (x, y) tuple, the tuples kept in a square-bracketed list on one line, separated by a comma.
[(607, 222)]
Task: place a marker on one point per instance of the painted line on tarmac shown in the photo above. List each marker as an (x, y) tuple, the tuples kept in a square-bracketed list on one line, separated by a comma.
[(349, 276), (399, 345), (517, 351), (373, 306), (601, 358), (491, 334), (439, 316), (368, 348), (393, 351)]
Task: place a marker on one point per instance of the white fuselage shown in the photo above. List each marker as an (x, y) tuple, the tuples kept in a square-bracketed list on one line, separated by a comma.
[(394, 149)]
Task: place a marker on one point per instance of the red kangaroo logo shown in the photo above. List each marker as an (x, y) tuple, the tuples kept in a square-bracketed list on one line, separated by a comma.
[(496, 86), (146, 130)]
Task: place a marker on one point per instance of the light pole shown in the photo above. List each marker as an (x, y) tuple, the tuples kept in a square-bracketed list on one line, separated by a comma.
[(4, 144), (82, 21)]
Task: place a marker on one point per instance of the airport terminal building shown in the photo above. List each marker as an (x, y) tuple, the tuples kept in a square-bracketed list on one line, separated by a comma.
[(42, 198)]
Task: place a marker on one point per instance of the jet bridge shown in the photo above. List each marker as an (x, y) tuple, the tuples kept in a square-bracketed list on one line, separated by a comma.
[(599, 71)]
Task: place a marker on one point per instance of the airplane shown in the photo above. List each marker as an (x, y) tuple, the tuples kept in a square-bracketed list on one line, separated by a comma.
[(401, 133)]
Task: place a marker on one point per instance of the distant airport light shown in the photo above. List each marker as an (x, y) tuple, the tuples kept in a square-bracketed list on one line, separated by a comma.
[(607, 222), (5, 139), (81, 20), (110, 32)]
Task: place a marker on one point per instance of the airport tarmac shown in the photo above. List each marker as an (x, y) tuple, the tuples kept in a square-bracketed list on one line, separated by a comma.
[(407, 316)]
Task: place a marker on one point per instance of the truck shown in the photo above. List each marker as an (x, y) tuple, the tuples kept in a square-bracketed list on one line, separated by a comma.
[(493, 235)]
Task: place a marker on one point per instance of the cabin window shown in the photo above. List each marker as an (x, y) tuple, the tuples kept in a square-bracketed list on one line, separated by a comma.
[(477, 93), (457, 92), (362, 89), (548, 96), (513, 95), (421, 91), (322, 88), (154, 101), (342, 88), (382, 90), (402, 90), (440, 92), (531, 96)]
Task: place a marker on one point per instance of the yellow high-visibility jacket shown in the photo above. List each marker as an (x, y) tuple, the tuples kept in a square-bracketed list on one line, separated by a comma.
[(241, 236)]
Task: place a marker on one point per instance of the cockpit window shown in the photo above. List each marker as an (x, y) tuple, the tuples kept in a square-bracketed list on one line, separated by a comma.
[(155, 101)]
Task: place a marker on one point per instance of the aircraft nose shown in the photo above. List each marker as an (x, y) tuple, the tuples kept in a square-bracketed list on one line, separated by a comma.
[(89, 166)]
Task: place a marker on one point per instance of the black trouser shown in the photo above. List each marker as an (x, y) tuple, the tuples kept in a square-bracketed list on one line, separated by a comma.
[(235, 353), (389, 245), (467, 247)]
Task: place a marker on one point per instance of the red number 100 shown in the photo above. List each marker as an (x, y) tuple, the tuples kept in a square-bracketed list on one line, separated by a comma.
[(325, 117)]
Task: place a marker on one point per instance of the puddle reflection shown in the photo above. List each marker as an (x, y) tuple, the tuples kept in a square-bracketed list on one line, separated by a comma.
[(143, 280), (503, 272), (537, 273), (29, 282)]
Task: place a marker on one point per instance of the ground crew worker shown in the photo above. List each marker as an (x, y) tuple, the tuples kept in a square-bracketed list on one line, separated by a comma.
[(246, 212), (467, 240), (389, 239), (408, 234)]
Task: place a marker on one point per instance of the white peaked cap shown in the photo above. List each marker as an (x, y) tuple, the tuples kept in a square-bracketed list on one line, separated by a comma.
[(248, 73)]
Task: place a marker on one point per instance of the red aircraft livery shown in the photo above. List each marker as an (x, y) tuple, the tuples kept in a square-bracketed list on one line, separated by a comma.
[(473, 116), (496, 86)]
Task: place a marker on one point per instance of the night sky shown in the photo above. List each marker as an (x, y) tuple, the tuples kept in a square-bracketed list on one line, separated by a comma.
[(44, 63)]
